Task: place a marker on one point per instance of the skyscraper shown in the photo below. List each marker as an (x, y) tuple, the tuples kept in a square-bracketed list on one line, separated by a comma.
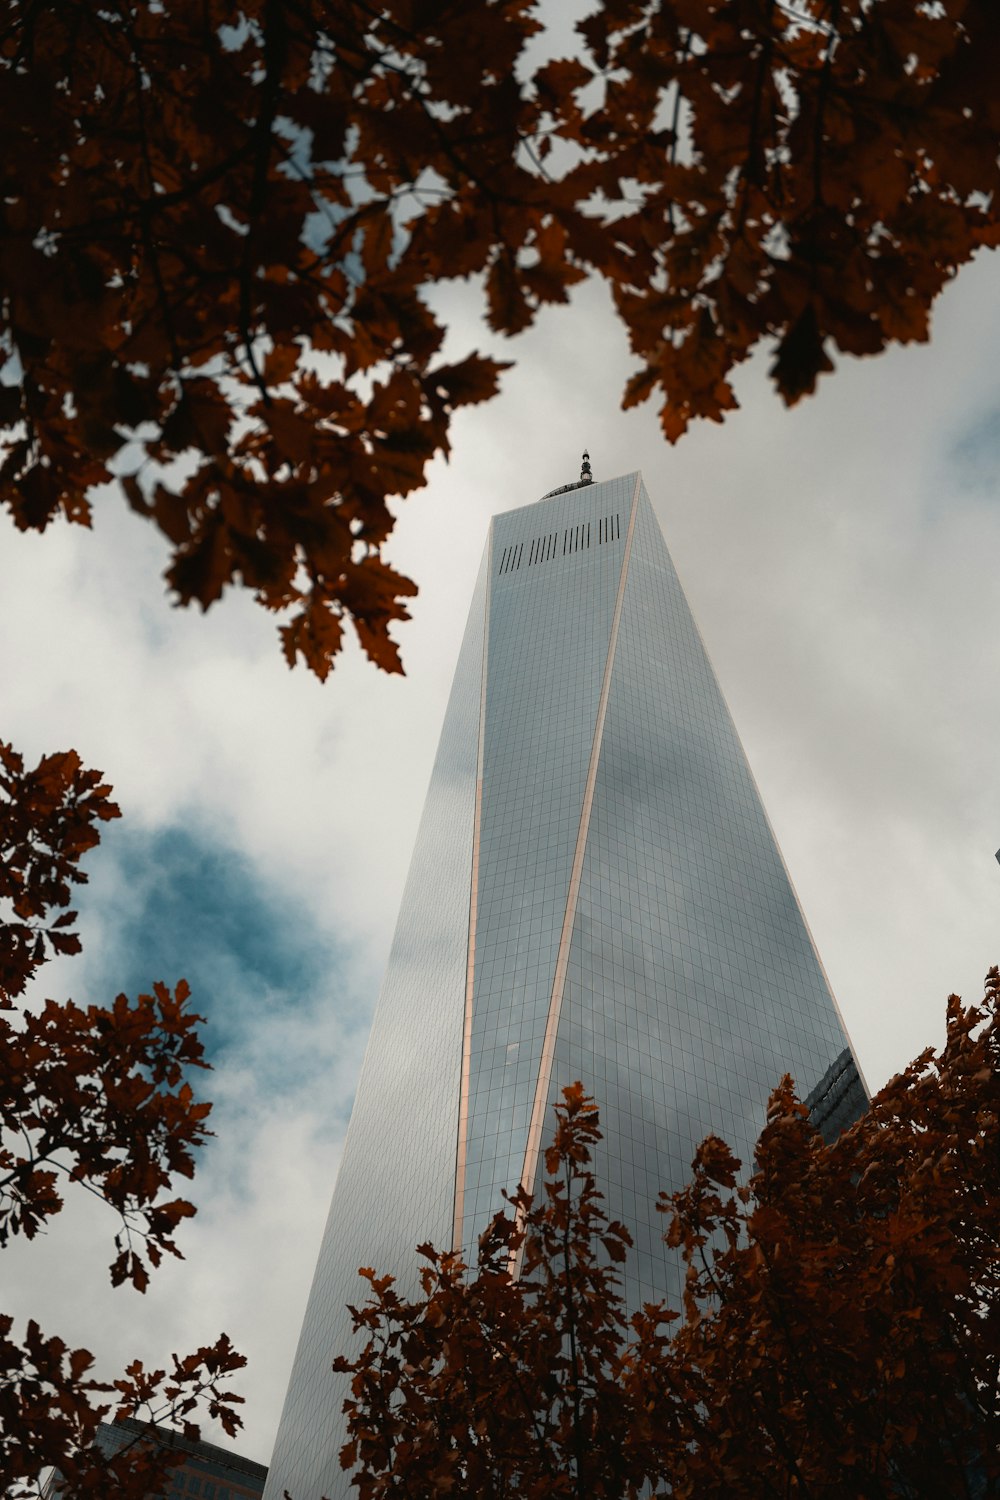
[(595, 894)]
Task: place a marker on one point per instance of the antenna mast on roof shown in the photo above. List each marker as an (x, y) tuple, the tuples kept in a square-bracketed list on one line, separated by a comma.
[(586, 477)]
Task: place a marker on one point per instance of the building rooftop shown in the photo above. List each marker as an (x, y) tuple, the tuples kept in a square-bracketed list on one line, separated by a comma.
[(586, 477), (166, 1437)]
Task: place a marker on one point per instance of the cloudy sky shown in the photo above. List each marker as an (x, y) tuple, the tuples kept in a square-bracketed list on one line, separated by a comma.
[(843, 561)]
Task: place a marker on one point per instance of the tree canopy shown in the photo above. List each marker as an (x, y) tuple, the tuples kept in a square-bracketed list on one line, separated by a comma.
[(840, 1334), (223, 228), (96, 1099)]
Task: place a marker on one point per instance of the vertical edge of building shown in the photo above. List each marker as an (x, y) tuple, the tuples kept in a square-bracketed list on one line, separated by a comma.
[(396, 1183)]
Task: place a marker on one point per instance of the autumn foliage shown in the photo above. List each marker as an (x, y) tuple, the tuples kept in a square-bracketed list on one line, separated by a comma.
[(49, 817), (94, 1098), (223, 228), (840, 1334)]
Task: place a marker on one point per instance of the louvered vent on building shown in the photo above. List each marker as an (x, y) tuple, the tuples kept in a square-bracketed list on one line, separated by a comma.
[(543, 549)]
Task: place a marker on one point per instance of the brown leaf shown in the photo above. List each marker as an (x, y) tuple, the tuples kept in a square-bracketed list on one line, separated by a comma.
[(800, 358)]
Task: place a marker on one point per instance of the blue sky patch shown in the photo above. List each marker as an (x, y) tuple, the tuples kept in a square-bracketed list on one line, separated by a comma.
[(974, 456), (168, 905)]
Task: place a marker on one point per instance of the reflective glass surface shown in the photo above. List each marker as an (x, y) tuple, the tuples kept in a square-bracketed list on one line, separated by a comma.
[(691, 983), (396, 1183), (550, 623)]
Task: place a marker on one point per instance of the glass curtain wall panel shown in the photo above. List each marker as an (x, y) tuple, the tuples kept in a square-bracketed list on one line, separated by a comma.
[(595, 895), (396, 1183)]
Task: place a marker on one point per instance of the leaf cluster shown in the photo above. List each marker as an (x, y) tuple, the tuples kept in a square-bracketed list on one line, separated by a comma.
[(98, 1097), (506, 1384), (843, 1307), (221, 230), (810, 174), (51, 1406), (840, 1333), (201, 289), (49, 817)]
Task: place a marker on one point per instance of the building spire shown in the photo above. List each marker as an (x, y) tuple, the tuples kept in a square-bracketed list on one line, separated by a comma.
[(586, 477)]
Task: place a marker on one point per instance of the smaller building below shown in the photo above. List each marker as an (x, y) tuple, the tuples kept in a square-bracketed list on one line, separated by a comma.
[(207, 1472)]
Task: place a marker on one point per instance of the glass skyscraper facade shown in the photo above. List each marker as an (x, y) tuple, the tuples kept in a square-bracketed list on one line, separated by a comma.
[(595, 894)]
